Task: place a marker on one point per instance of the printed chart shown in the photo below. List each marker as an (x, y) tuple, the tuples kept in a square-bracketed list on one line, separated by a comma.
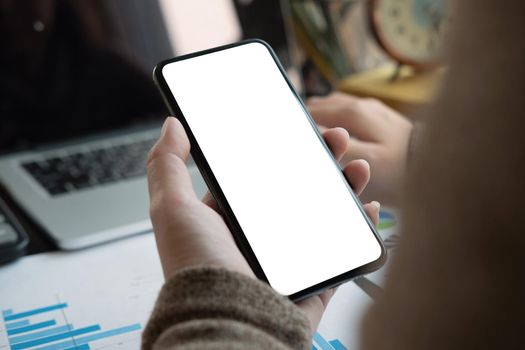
[(320, 343), (101, 298), (386, 220), (48, 328)]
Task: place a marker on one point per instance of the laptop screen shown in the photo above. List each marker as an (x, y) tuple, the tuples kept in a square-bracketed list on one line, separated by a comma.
[(75, 68)]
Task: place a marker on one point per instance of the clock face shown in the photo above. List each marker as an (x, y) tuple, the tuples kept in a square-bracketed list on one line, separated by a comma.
[(411, 31)]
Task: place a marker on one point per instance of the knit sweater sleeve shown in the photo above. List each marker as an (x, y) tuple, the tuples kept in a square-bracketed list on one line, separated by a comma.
[(212, 308)]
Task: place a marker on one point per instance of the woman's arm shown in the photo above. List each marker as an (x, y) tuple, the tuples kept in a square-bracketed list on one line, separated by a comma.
[(211, 308)]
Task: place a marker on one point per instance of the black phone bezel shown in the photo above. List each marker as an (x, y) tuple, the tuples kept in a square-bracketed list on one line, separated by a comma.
[(216, 191)]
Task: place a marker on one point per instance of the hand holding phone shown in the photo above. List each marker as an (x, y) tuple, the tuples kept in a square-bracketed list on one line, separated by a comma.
[(281, 193), (194, 234)]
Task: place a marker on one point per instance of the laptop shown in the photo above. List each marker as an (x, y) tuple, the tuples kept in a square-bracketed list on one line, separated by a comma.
[(86, 192), (78, 119)]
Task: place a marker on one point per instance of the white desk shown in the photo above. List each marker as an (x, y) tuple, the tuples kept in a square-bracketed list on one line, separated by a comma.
[(102, 297)]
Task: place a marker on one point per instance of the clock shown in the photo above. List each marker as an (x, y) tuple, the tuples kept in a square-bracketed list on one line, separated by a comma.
[(410, 31)]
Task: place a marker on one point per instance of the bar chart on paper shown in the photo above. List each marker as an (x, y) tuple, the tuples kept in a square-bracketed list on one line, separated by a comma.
[(386, 220), (320, 343), (99, 299), (48, 328)]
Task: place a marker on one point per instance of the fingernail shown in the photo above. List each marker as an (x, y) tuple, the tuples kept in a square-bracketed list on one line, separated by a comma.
[(376, 204), (343, 130), (364, 162), (165, 127)]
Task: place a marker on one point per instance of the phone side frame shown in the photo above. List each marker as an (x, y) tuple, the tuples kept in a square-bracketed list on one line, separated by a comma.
[(215, 189)]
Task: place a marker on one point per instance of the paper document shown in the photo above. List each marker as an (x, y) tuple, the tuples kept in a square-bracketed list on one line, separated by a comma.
[(92, 299), (101, 298)]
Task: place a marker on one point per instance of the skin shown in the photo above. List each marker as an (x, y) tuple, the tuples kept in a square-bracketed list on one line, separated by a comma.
[(379, 134), (191, 232)]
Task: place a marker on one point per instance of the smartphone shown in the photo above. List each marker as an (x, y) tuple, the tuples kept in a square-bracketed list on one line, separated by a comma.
[(281, 192)]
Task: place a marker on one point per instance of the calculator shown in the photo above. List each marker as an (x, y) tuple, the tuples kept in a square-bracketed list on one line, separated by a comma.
[(13, 238)]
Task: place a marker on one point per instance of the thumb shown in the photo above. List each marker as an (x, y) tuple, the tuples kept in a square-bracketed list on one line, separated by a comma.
[(169, 181), (172, 139)]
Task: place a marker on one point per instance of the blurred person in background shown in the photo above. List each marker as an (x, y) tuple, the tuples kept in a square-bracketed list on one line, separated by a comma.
[(457, 281)]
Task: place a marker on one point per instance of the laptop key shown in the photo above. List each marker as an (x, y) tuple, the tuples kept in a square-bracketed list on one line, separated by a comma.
[(83, 170)]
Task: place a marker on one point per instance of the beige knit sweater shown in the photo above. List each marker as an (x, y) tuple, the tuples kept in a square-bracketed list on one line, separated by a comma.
[(459, 278)]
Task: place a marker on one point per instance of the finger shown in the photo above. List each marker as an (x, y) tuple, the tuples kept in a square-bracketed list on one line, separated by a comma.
[(354, 116), (315, 100), (176, 142), (372, 209), (330, 98), (314, 307), (357, 173), (358, 149), (210, 201), (169, 181), (338, 140)]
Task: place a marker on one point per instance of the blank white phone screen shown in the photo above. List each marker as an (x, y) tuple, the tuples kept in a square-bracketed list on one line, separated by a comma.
[(286, 191)]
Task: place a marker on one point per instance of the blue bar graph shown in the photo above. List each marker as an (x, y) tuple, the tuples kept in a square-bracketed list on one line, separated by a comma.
[(44, 333), (110, 333), (81, 347), (53, 338), (7, 312), (50, 334), (337, 345), (93, 337), (34, 312), (320, 343), (31, 327), (16, 324)]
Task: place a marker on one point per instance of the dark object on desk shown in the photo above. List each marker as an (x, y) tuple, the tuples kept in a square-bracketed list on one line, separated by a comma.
[(13, 239), (39, 242)]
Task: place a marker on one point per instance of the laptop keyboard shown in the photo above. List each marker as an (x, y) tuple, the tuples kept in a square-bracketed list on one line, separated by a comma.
[(81, 170)]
